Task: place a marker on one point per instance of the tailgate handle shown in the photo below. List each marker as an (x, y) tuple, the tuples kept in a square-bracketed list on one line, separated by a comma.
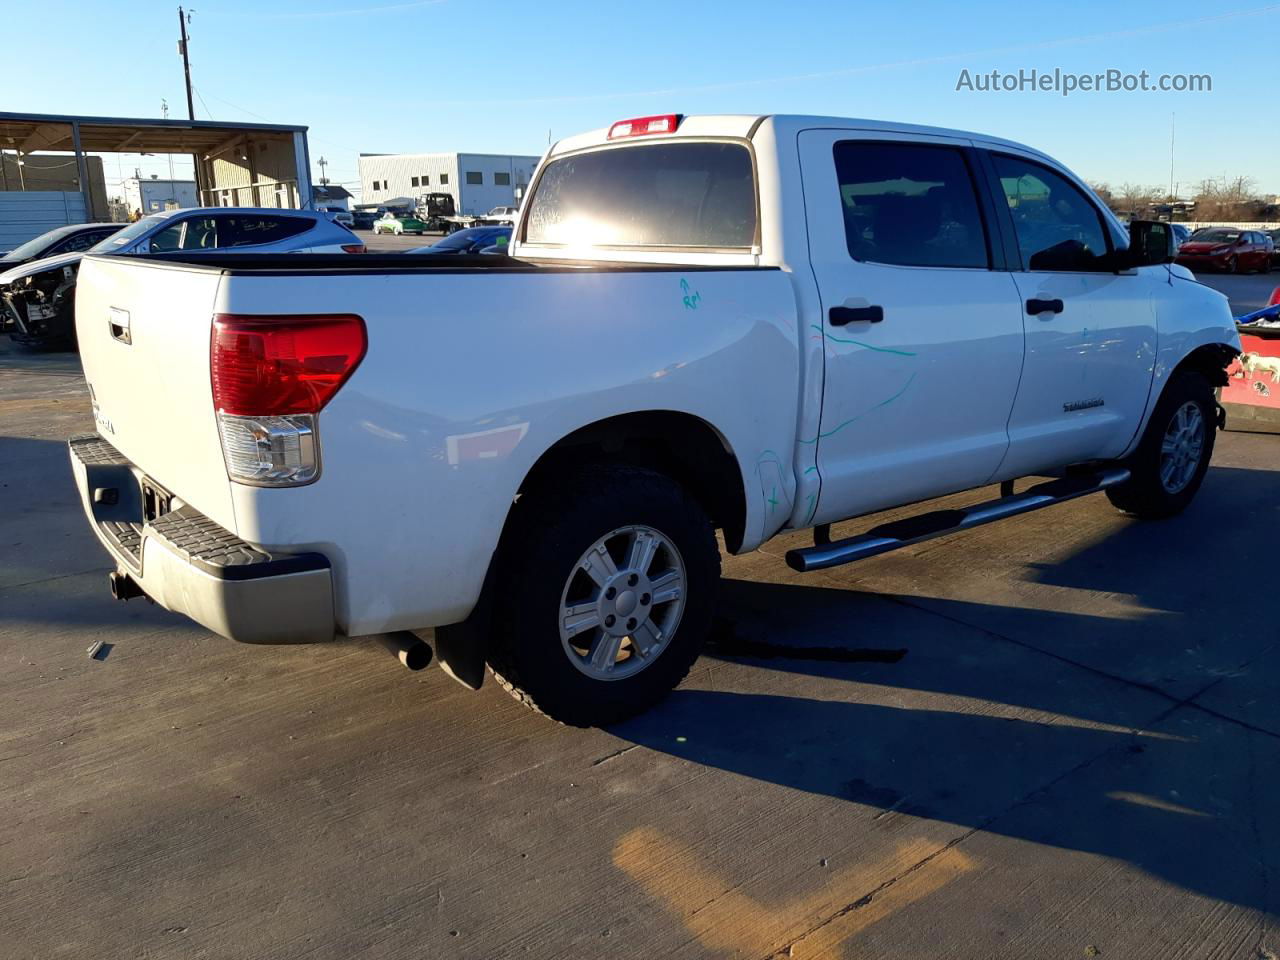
[(118, 324)]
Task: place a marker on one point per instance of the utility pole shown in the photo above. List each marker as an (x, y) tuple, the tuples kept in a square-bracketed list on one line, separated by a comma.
[(324, 181), (183, 18), (186, 60), (1173, 119)]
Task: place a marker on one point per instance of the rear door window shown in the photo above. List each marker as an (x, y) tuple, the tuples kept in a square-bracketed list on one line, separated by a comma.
[(689, 194), (244, 230), (1057, 227), (910, 204)]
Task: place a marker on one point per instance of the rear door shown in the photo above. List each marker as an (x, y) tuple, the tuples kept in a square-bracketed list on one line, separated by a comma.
[(921, 325), (1091, 335)]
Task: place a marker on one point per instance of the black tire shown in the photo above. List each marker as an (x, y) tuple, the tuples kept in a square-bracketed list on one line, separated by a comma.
[(1144, 494), (552, 526)]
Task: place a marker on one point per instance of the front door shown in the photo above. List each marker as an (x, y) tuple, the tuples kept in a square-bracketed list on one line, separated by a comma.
[(922, 335), (1091, 334)]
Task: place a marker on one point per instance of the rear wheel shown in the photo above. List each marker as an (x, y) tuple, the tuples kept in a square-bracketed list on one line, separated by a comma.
[(1173, 456), (606, 594)]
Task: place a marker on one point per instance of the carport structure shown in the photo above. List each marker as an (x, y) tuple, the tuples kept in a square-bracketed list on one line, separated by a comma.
[(236, 164)]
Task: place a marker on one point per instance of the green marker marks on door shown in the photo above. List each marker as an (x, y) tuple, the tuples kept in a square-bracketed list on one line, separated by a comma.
[(773, 500), (883, 403), (691, 299), (859, 343)]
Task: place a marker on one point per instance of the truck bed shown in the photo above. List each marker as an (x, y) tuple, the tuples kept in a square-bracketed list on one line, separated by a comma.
[(327, 264)]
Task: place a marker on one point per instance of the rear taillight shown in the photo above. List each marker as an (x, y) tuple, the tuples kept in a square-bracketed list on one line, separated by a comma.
[(354, 248), (271, 377), (644, 126)]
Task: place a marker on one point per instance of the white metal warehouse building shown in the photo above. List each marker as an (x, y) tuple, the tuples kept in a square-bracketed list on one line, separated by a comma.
[(478, 182)]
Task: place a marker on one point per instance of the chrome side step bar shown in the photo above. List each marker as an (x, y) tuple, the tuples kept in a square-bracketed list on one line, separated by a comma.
[(940, 523)]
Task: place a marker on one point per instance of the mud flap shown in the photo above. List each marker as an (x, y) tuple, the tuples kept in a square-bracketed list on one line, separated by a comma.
[(462, 649)]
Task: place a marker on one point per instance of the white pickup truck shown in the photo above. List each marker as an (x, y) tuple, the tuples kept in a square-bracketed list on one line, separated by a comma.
[(746, 323)]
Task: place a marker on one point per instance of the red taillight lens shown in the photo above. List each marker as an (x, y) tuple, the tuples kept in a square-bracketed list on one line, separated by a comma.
[(282, 365), (643, 126), (353, 248)]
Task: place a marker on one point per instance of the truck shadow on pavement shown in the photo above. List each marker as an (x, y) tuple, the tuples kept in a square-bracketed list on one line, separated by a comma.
[(1073, 729)]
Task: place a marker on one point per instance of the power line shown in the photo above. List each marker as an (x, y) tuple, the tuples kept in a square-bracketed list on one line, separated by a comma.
[(207, 111)]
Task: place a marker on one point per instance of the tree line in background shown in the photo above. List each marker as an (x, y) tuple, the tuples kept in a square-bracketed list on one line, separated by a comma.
[(1230, 199)]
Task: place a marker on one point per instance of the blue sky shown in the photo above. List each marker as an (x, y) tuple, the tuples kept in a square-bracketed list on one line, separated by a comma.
[(496, 76)]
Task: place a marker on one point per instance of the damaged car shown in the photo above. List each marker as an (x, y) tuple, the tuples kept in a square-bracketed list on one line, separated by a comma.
[(37, 299), (38, 303), (68, 239)]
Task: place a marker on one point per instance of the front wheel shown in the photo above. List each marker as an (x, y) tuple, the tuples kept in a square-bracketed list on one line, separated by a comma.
[(606, 594), (1173, 455)]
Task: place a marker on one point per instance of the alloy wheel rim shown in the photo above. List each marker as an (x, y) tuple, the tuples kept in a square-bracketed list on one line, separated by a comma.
[(1182, 447), (622, 602)]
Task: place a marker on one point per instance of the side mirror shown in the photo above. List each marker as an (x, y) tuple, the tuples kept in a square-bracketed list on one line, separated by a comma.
[(143, 246), (1150, 242)]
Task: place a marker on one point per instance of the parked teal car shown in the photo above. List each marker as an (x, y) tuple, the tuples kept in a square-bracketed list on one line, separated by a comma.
[(398, 224)]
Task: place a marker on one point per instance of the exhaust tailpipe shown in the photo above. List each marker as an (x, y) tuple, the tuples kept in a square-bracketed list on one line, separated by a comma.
[(407, 648), (123, 586)]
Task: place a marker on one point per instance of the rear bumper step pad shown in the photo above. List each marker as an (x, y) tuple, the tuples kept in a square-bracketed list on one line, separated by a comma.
[(189, 564)]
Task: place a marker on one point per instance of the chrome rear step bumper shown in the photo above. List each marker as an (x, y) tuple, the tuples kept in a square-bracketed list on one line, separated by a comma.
[(940, 523)]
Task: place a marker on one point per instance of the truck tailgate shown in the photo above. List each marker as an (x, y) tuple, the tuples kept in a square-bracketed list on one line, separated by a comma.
[(143, 331)]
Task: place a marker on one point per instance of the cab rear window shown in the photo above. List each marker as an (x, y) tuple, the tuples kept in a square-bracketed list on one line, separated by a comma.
[(699, 195)]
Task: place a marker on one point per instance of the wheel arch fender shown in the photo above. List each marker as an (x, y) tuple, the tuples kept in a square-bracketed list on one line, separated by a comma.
[(1210, 358), (679, 444), (682, 445)]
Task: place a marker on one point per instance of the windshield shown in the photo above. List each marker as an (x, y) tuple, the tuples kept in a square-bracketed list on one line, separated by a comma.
[(656, 195), (33, 247), (117, 241), (1217, 236)]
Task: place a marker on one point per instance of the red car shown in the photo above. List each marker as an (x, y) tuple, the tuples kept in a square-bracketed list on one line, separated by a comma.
[(1227, 249)]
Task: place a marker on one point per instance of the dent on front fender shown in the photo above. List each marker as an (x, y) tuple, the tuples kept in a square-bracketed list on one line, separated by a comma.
[(1189, 316)]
